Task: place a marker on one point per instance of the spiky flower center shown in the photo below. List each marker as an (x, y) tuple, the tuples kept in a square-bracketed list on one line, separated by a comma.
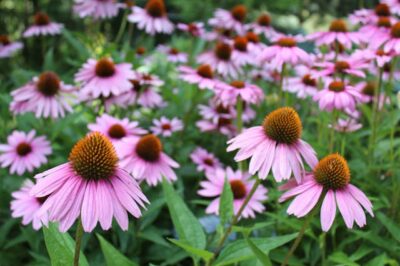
[(149, 148), (395, 31), (240, 44), (332, 172), (252, 37), (264, 20), (382, 10), (41, 19), (238, 84), (223, 51), (94, 157), (105, 68), (341, 66), (369, 89), (309, 81), (155, 8), (239, 13), (24, 149), (283, 125), (4, 40), (338, 25), (208, 161), (384, 22), (336, 86), (48, 84), (238, 189), (117, 131), (205, 71), (286, 42), (140, 50)]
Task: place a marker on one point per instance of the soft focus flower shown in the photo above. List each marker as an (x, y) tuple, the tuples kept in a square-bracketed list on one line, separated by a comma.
[(377, 29), (275, 145), (347, 125), (46, 96), (203, 76), (195, 29), (379, 56), (303, 85), (263, 26), (342, 66), (241, 53), (145, 159), (98, 9), (330, 175), (216, 110), (390, 41), (337, 94), (228, 94), (205, 160), (43, 26), (91, 186), (231, 20), (222, 125), (165, 127), (173, 54), (116, 129), (104, 78), (394, 6), (153, 18), (241, 184), (24, 152), (27, 206), (7, 47)]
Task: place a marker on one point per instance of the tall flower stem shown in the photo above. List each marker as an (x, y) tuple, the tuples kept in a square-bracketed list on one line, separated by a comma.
[(122, 27), (234, 221), (282, 76), (374, 119), (332, 131), (343, 145), (78, 242)]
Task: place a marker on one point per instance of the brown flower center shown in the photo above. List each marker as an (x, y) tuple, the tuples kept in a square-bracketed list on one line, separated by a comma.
[(209, 161), (338, 25), (223, 51), (240, 44), (173, 51), (117, 131), (205, 71), (238, 189), (221, 109), (369, 89), (264, 20), (94, 157), (105, 68), (193, 29), (136, 86), (384, 22), (149, 148), (309, 81), (336, 86), (166, 127), (4, 40), (387, 67), (24, 149), (286, 42), (283, 125), (140, 50), (341, 66), (395, 31), (238, 84), (380, 52), (332, 172), (155, 8), (224, 122), (48, 84), (41, 19), (239, 12), (382, 10), (252, 37)]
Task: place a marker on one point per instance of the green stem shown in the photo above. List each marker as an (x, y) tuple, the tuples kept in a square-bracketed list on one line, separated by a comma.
[(343, 145), (234, 221), (332, 131), (122, 27), (374, 119), (78, 242), (281, 94)]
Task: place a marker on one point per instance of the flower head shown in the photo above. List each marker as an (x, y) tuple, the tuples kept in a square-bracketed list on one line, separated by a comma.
[(7, 47), (42, 25), (165, 127), (204, 160), (98, 9)]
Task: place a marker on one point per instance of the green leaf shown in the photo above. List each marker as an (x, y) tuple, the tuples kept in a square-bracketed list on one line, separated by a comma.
[(240, 251), (112, 255), (342, 258), (261, 256), (61, 247), (186, 224), (393, 228), (77, 45), (226, 203), (204, 254)]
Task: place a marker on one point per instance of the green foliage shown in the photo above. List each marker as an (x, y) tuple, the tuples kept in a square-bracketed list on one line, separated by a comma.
[(112, 255)]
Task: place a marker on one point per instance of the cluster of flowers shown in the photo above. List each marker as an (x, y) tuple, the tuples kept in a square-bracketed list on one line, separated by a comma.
[(335, 75)]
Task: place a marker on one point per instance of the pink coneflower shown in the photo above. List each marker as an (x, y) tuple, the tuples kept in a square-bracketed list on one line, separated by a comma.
[(241, 53), (240, 184), (224, 126), (366, 90), (338, 32), (370, 16), (360, 16), (173, 54), (116, 129), (284, 50), (394, 5), (27, 206), (231, 20), (216, 110), (7, 47), (347, 125), (337, 94), (379, 56), (277, 145), (221, 60), (153, 18), (205, 160), (165, 127), (46, 96), (203, 76), (377, 29), (91, 185), (331, 176), (303, 85), (263, 26), (248, 113), (104, 78), (195, 29), (254, 45), (98, 9), (145, 160), (24, 152), (343, 66), (229, 93), (390, 41), (43, 26)]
